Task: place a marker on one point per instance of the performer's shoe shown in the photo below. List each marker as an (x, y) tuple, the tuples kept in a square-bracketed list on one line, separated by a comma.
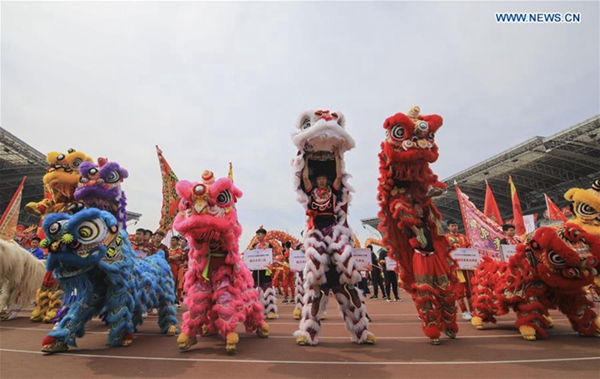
[(527, 332), (435, 341), (550, 321), (302, 341), (271, 316), (263, 331), (127, 340), (297, 314), (232, 341), (8, 315), (185, 342), (477, 322), (467, 316), (52, 345), (172, 330), (370, 339), (450, 333)]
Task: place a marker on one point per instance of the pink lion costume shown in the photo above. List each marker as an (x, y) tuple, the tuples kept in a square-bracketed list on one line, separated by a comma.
[(218, 284)]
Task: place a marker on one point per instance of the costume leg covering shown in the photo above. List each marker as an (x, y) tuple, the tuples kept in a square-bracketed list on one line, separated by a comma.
[(580, 312), (299, 297), (314, 273)]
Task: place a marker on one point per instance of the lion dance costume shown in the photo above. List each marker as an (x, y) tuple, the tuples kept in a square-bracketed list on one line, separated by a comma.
[(586, 208), (549, 270), (92, 259), (328, 241), (60, 182), (218, 284), (21, 275), (411, 224), (277, 239)]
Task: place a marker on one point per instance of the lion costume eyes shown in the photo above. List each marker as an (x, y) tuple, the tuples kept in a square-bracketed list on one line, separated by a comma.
[(224, 198), (113, 177), (88, 231), (556, 259), (77, 162), (55, 228), (397, 132), (305, 123), (586, 210)]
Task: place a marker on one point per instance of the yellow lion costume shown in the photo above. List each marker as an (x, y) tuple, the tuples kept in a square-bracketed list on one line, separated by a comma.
[(586, 208), (60, 182)]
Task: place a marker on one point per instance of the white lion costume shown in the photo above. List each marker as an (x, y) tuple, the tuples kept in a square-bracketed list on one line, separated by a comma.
[(328, 241), (21, 274)]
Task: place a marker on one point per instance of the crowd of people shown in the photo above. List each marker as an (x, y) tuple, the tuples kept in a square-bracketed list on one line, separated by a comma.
[(280, 276)]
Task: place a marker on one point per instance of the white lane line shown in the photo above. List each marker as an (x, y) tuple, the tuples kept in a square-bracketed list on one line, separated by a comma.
[(326, 363), (459, 336)]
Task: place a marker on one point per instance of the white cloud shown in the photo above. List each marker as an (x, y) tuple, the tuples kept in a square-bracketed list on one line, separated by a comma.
[(217, 82)]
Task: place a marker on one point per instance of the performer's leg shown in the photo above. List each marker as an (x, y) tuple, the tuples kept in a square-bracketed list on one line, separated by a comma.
[(253, 308), (388, 285), (315, 301), (532, 318), (72, 325), (394, 282), (227, 304), (299, 298), (199, 302), (351, 301), (580, 312), (269, 299), (167, 312)]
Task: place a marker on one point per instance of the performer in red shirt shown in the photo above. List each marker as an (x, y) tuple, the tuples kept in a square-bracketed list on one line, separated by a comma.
[(510, 237), (463, 287)]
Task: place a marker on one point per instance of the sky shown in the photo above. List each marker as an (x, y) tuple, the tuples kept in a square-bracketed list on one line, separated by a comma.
[(214, 82)]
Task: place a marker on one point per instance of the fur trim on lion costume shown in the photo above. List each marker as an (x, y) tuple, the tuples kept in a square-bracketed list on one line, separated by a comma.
[(21, 274)]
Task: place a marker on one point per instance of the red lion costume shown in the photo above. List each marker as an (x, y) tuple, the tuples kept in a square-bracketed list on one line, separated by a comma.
[(411, 225), (549, 270)]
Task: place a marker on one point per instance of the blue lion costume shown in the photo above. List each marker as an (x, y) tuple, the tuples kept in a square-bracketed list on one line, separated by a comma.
[(92, 260)]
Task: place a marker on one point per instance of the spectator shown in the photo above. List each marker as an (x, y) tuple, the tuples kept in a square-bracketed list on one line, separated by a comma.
[(35, 248), (157, 239), (391, 278), (376, 276), (509, 235), (140, 246), (175, 259), (457, 240)]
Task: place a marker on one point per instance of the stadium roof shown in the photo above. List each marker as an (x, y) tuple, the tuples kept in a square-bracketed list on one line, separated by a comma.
[(18, 159), (551, 165)]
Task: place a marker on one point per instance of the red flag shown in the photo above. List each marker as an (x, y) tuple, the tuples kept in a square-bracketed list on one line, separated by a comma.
[(483, 232), (554, 213), (10, 217), (517, 211), (490, 209), (170, 198)]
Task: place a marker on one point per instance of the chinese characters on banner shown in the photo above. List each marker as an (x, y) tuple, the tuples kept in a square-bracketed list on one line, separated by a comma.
[(258, 259), (467, 259), (484, 234), (297, 260), (362, 259)]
